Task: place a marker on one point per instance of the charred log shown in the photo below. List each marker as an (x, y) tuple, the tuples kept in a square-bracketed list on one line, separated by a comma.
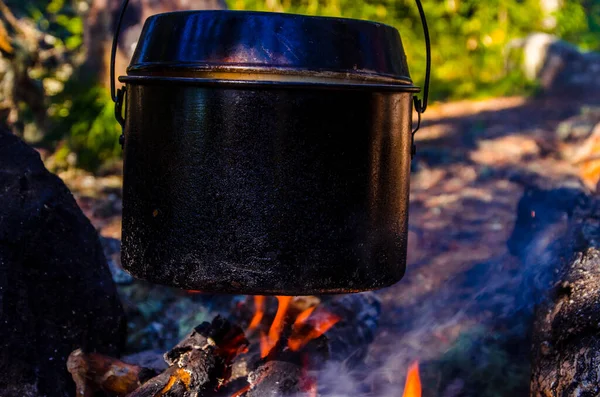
[(351, 336), (207, 362), (286, 369), (199, 364), (93, 372), (564, 267), (275, 378)]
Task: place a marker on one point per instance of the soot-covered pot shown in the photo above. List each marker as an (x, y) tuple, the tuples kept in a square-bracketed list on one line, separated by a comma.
[(266, 153)]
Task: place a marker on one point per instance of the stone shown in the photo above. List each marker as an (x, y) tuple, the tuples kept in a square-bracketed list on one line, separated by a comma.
[(56, 291), (556, 65), (579, 127)]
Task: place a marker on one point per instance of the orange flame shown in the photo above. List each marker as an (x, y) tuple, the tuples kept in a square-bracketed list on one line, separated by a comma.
[(265, 345), (320, 325), (302, 317), (413, 382), (306, 327), (267, 342), (278, 322), (259, 312), (233, 347)]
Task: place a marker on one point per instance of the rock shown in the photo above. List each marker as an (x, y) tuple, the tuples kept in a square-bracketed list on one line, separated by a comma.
[(579, 127), (557, 65), (56, 292)]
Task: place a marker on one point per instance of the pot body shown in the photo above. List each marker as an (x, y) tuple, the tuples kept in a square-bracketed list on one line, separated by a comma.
[(265, 190)]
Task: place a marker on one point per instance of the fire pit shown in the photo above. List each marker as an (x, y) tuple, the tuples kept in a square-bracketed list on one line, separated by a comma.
[(264, 154), (277, 353)]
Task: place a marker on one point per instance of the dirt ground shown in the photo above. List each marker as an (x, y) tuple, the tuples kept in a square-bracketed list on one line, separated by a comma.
[(458, 310)]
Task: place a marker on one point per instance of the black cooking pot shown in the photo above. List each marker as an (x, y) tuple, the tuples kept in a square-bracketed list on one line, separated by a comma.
[(266, 153)]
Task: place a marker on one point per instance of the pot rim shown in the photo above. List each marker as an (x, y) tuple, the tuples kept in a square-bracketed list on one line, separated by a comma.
[(243, 84), (273, 47)]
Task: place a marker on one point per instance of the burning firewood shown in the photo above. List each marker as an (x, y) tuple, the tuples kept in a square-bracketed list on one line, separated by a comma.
[(199, 364), (287, 351), (288, 347), (275, 378), (92, 372), (299, 341)]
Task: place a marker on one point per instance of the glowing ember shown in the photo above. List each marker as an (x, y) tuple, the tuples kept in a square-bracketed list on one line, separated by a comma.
[(312, 391), (319, 325), (413, 382), (237, 345), (259, 312), (241, 392), (309, 383), (247, 388)]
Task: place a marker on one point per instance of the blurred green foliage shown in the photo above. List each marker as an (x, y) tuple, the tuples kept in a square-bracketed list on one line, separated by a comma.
[(469, 37), (87, 113), (58, 18), (80, 124), (578, 22)]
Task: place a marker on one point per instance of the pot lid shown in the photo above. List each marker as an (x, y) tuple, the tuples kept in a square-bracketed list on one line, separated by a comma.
[(273, 47)]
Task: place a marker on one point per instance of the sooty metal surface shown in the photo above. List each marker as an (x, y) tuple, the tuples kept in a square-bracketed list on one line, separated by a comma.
[(266, 190)]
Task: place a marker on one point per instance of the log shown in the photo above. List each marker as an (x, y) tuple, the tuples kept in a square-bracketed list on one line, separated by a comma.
[(199, 364), (563, 263), (93, 372), (275, 378)]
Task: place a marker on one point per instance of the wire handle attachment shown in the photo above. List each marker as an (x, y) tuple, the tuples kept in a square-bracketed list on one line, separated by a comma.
[(421, 103), (117, 95)]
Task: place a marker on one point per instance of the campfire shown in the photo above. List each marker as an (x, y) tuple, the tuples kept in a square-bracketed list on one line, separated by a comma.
[(280, 350), (268, 155), (247, 235)]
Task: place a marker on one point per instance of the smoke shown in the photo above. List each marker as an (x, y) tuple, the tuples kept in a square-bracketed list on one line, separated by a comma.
[(472, 333)]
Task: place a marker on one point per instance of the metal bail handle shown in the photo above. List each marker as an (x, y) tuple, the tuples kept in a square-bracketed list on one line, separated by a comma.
[(118, 95), (421, 104)]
